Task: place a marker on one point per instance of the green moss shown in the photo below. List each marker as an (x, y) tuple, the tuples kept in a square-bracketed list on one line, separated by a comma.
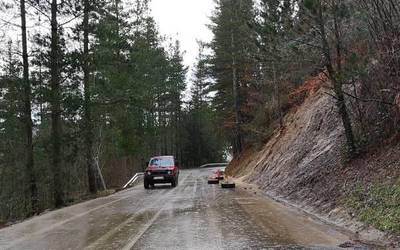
[(377, 205)]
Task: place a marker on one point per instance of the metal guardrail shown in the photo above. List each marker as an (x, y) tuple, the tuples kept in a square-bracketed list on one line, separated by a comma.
[(133, 180), (136, 176), (223, 164)]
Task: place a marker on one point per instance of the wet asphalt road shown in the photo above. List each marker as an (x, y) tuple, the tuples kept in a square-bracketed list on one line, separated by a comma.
[(193, 215)]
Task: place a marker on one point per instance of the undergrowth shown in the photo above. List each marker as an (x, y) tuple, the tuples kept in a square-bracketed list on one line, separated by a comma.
[(377, 205)]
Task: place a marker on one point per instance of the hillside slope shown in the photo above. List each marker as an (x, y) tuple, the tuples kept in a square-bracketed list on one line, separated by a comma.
[(304, 164)]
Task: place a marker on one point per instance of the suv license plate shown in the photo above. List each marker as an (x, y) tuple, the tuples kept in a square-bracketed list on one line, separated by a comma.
[(158, 178)]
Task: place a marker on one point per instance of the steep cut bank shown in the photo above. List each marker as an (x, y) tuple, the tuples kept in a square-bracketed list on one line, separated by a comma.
[(304, 164)]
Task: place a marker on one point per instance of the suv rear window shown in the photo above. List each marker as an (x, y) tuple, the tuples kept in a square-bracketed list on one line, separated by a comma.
[(161, 162)]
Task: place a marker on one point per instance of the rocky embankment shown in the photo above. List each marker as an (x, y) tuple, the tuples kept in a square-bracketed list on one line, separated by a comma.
[(304, 164)]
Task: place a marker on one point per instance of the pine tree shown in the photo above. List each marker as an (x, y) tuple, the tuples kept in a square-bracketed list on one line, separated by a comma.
[(55, 102), (202, 143), (87, 102), (201, 78), (176, 85), (12, 139), (234, 64), (32, 191)]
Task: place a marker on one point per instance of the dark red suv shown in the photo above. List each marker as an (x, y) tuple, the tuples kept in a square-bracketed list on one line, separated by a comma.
[(161, 169)]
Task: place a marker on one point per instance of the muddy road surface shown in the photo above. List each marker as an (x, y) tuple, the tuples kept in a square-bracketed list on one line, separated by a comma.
[(193, 215)]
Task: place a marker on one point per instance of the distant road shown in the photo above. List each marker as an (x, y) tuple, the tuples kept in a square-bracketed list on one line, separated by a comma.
[(210, 165), (194, 215)]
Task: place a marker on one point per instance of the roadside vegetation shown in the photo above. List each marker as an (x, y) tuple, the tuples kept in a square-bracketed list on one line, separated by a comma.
[(377, 205), (267, 57), (266, 53)]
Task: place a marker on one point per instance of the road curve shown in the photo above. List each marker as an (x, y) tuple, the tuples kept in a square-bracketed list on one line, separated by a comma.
[(193, 215)]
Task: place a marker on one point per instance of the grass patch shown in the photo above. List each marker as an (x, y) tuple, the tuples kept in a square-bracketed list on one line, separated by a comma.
[(377, 205)]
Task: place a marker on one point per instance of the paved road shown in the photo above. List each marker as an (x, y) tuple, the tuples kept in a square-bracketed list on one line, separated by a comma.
[(192, 216)]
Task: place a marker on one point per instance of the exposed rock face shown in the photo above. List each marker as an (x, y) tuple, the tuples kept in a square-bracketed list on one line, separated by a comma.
[(304, 164), (397, 102), (296, 159)]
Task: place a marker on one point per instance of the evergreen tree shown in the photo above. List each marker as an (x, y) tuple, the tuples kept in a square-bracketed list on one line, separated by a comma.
[(177, 85), (12, 139), (87, 100), (55, 102), (32, 190), (233, 65), (202, 143)]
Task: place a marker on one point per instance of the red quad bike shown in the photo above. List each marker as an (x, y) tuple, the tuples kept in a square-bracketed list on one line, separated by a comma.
[(212, 180), (219, 174), (161, 169), (215, 177)]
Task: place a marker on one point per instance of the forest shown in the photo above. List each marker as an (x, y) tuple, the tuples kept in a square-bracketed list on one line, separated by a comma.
[(91, 84)]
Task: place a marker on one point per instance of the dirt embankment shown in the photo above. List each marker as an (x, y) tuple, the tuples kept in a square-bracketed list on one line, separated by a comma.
[(304, 164)]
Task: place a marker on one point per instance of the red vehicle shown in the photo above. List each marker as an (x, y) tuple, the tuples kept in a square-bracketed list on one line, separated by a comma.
[(219, 174), (161, 169), (216, 176)]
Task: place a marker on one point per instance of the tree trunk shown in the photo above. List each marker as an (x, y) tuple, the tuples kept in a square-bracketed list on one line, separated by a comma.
[(277, 95), (237, 135), (55, 103), (337, 83), (32, 192), (87, 103)]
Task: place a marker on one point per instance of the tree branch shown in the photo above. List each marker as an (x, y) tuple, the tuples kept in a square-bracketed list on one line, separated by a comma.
[(369, 100)]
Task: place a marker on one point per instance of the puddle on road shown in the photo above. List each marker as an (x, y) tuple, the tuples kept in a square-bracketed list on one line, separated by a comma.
[(192, 216), (287, 226), (211, 219), (116, 238)]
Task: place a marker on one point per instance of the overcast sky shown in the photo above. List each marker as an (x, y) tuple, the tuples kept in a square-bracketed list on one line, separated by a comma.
[(186, 21)]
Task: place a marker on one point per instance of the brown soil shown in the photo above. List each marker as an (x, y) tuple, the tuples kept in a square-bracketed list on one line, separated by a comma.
[(304, 163), (379, 165)]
